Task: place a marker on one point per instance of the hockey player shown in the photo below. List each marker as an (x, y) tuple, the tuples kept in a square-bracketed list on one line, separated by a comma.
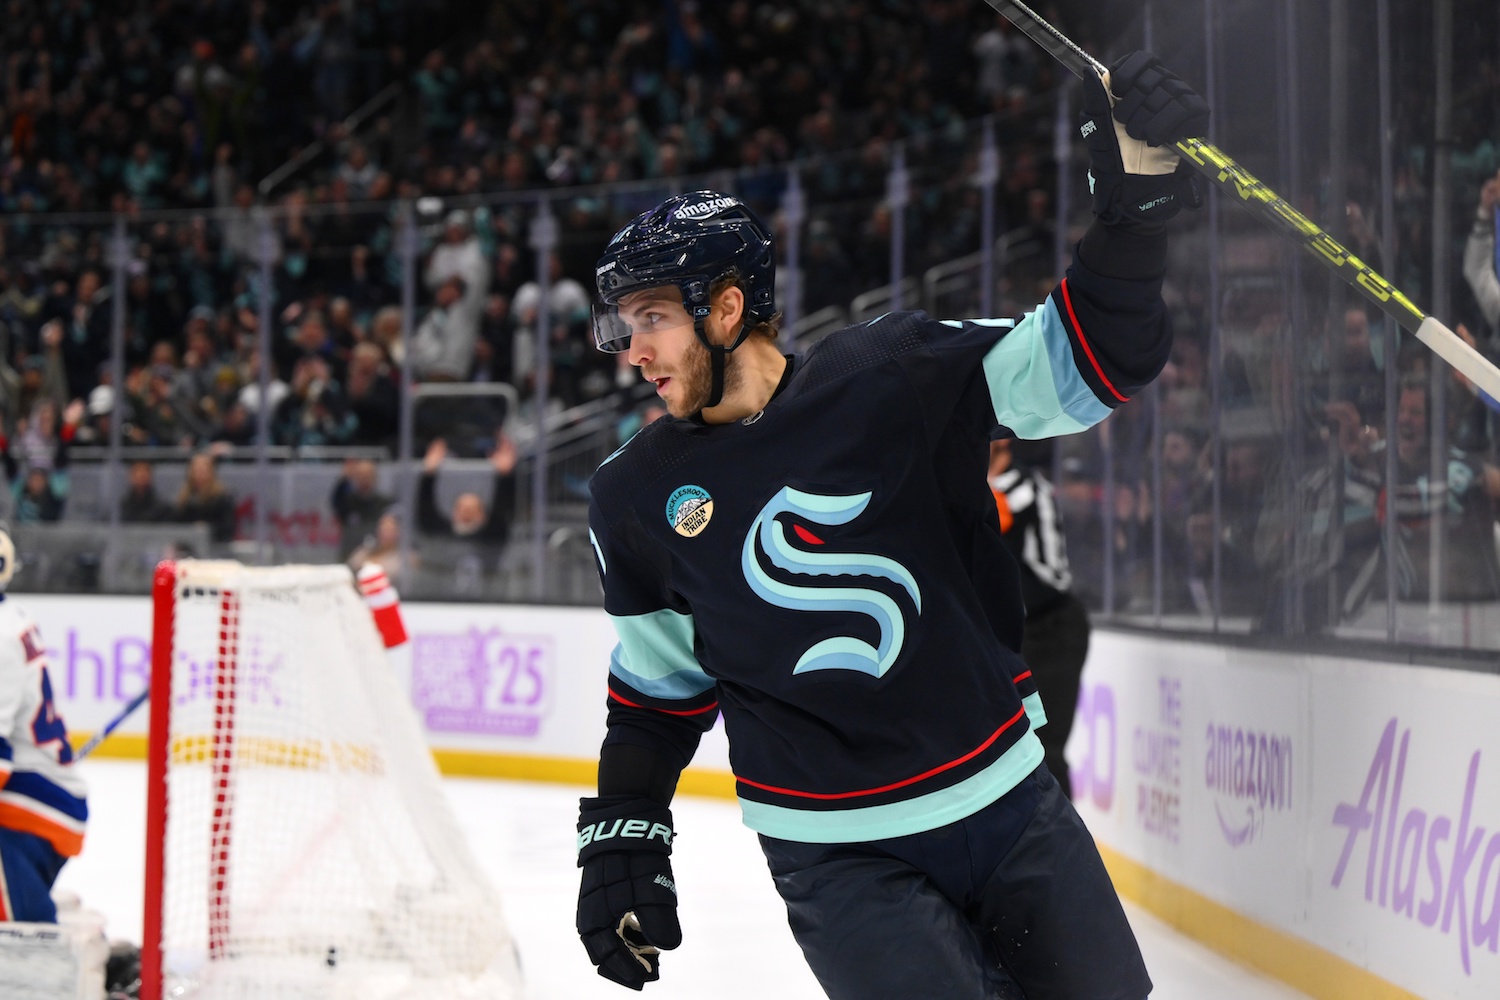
[(42, 799), (809, 548)]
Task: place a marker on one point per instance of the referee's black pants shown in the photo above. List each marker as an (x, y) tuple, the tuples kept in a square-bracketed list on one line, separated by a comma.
[(1055, 644)]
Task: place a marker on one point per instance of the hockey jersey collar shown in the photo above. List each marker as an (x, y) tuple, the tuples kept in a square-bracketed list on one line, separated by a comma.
[(786, 378)]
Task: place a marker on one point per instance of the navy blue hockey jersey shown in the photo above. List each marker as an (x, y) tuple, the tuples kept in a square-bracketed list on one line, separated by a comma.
[(829, 573)]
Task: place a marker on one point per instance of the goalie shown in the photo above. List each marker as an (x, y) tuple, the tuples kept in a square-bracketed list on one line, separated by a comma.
[(43, 805), (809, 548)]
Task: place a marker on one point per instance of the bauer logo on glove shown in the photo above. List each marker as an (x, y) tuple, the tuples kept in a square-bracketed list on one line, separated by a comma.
[(629, 829), (627, 902)]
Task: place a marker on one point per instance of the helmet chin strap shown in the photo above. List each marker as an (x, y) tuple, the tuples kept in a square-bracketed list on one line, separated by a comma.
[(716, 354)]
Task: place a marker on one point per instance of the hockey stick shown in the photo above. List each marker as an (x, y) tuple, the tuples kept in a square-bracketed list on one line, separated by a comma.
[(1273, 210), (111, 726)]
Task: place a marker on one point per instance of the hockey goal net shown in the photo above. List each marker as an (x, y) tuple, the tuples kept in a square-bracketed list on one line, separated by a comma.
[(299, 843)]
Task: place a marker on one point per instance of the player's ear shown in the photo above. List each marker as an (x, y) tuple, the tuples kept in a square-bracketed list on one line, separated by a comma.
[(729, 310)]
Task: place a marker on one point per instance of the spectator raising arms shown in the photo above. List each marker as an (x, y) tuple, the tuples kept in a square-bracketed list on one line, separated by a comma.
[(442, 348), (458, 275), (469, 521)]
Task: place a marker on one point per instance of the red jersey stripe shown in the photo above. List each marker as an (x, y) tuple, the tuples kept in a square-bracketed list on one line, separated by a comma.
[(1077, 329), (664, 711), (827, 796)]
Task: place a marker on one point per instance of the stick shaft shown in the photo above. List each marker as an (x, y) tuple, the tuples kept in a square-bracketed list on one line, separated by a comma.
[(111, 726), (1037, 28), (1215, 165)]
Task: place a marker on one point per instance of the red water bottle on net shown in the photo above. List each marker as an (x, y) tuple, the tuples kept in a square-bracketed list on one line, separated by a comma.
[(384, 604)]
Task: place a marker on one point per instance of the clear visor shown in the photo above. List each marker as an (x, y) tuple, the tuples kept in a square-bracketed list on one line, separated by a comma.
[(614, 325), (611, 331)]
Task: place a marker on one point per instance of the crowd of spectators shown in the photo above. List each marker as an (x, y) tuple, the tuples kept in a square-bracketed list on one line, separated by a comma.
[(1280, 525), (174, 103), (173, 114), (143, 104), (188, 105)]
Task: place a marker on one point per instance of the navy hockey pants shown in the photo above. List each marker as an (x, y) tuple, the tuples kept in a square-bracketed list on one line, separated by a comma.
[(1010, 903), (28, 867)]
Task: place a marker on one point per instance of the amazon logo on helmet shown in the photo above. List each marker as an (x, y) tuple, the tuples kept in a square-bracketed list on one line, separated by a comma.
[(690, 240), (707, 208)]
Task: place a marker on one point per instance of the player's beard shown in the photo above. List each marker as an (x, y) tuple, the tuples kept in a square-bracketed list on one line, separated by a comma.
[(695, 380)]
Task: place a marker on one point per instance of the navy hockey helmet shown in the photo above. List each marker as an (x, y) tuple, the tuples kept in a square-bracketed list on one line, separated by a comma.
[(689, 240)]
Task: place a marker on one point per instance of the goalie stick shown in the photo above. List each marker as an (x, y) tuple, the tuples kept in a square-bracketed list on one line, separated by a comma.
[(1210, 161)]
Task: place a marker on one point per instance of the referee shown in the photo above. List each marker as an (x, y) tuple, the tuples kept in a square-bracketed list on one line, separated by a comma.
[(1056, 640)]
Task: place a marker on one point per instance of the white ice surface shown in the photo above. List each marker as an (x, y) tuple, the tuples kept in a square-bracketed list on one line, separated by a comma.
[(736, 945)]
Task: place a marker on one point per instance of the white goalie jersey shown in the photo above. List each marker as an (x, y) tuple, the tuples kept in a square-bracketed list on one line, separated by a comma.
[(40, 792)]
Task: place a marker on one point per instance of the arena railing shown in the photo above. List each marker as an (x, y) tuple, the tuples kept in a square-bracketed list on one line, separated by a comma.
[(1208, 505)]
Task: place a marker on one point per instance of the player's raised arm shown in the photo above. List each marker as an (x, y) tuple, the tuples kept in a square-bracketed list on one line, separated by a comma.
[(1129, 120), (1103, 333)]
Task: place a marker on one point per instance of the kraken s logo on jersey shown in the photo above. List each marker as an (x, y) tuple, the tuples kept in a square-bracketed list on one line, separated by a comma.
[(843, 652)]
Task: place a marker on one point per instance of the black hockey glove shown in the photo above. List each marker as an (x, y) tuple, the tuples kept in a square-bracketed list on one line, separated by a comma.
[(1134, 173), (627, 904)]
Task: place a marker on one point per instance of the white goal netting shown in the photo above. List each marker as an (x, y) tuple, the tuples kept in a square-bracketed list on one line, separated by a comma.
[(309, 851)]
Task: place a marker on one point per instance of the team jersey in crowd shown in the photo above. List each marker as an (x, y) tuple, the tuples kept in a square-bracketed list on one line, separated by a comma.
[(40, 792), (829, 573), (1033, 534)]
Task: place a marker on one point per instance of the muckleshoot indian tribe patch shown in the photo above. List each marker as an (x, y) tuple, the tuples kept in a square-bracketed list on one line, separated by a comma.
[(689, 509)]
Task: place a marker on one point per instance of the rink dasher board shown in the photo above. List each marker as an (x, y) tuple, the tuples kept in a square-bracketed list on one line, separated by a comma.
[(1316, 801), (1350, 809), (500, 690)]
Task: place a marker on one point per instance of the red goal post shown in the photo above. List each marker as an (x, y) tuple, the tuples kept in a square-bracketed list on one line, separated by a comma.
[(298, 842)]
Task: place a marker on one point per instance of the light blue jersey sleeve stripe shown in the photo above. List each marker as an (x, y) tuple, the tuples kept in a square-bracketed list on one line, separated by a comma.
[(1035, 388), (655, 655), (899, 819), (1035, 713)]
